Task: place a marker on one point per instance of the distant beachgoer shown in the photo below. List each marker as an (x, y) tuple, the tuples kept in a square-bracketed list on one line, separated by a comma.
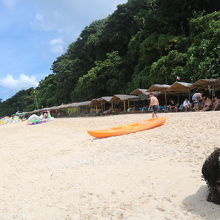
[(216, 103), (196, 98), (45, 115), (186, 105), (173, 106), (207, 104), (154, 104), (211, 174)]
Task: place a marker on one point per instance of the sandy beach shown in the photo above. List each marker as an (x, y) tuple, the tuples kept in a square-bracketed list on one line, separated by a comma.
[(56, 171)]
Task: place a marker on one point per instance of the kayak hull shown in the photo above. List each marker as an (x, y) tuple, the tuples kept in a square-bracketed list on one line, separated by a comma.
[(127, 129)]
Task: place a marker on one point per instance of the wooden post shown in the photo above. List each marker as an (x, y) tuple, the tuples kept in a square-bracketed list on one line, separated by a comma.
[(165, 98), (213, 92), (128, 103), (124, 106), (96, 109), (112, 106)]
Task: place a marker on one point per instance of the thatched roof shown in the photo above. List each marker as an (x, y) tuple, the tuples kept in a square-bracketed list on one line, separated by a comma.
[(81, 104), (101, 100), (205, 83), (180, 87), (106, 98), (95, 102), (140, 92), (64, 106), (120, 97), (158, 88)]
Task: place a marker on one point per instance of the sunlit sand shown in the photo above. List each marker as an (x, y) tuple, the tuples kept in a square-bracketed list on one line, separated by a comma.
[(56, 170)]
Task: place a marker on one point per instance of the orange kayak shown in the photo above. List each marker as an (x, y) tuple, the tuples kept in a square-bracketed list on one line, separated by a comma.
[(127, 129)]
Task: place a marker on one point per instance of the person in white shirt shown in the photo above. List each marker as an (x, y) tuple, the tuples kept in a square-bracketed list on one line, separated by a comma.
[(186, 105), (196, 98)]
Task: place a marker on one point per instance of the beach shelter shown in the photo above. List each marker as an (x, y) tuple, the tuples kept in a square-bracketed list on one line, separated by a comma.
[(180, 88), (84, 104), (207, 84), (140, 92), (125, 99), (106, 99), (162, 88), (159, 88), (143, 94), (96, 103)]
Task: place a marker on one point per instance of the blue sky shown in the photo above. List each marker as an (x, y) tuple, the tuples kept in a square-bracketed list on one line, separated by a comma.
[(34, 32)]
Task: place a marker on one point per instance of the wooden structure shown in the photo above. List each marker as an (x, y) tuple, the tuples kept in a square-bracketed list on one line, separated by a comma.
[(211, 85), (162, 88), (126, 99), (180, 88)]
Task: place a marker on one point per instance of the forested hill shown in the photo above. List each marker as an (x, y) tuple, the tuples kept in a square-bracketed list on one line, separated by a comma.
[(142, 42)]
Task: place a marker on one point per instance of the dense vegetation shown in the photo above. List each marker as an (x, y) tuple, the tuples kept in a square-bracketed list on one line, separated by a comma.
[(141, 43)]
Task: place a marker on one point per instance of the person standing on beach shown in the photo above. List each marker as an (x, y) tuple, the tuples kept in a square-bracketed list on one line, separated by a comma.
[(196, 98), (154, 104)]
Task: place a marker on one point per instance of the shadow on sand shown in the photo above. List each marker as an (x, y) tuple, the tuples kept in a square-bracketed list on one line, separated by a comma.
[(198, 205)]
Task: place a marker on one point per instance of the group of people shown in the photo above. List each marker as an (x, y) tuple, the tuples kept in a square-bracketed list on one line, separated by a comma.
[(204, 103), (200, 101)]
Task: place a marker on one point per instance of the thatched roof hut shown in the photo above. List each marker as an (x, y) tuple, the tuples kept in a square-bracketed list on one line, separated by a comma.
[(179, 87), (119, 98), (82, 104), (159, 88), (140, 92), (106, 99), (95, 102), (207, 83), (102, 100), (125, 99)]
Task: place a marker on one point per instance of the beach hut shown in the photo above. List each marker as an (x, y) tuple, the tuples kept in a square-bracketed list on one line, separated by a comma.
[(162, 88), (125, 99), (206, 83), (211, 85), (106, 100), (140, 92), (143, 94), (159, 88), (180, 88), (82, 106), (96, 103)]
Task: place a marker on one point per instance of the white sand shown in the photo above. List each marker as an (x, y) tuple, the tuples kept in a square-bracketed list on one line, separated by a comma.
[(56, 171)]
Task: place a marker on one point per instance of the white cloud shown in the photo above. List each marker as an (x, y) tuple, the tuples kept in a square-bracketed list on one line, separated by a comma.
[(23, 82), (57, 45), (56, 41), (8, 3), (39, 23)]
